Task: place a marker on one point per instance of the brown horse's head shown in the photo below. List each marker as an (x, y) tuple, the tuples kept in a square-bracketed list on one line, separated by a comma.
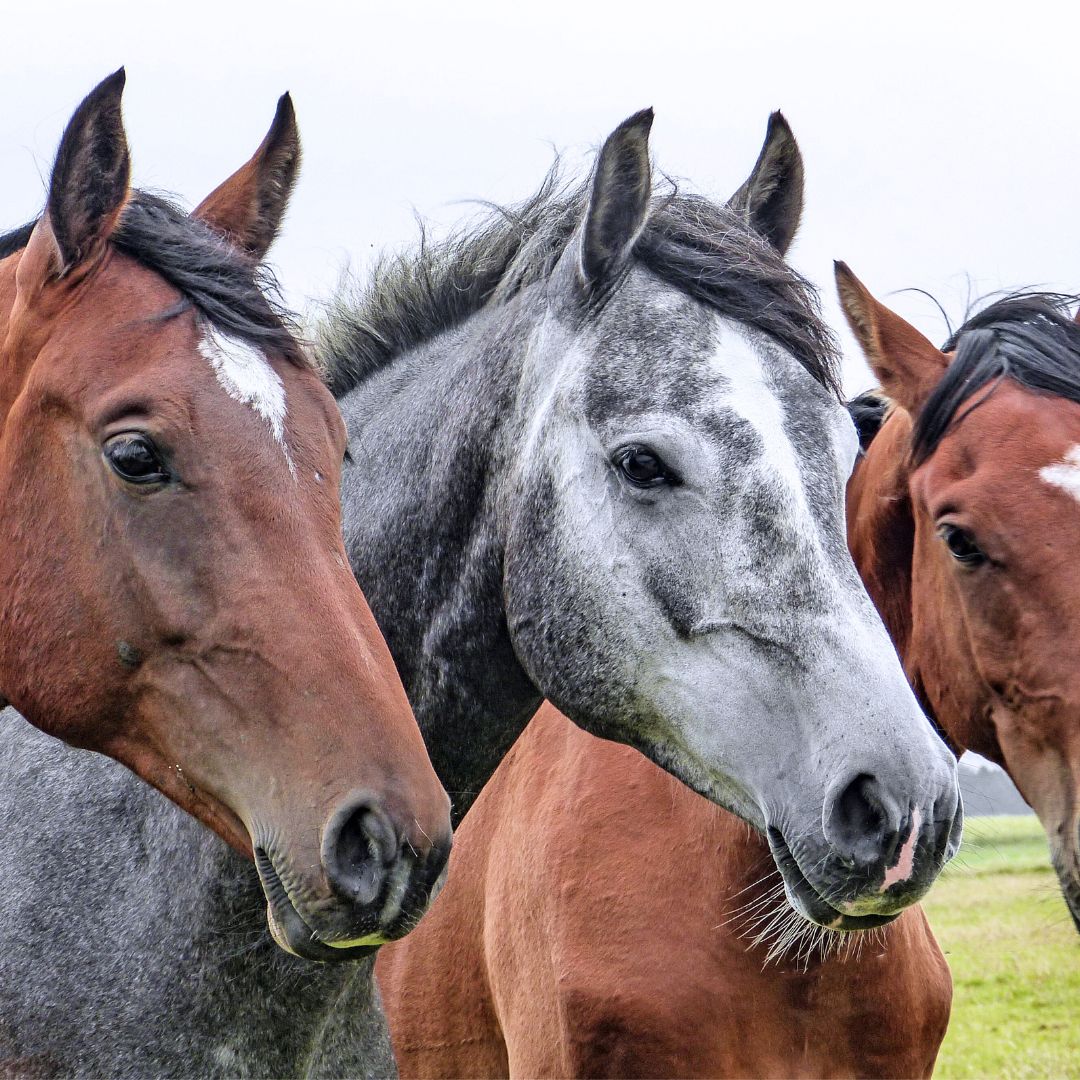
[(174, 590), (964, 518)]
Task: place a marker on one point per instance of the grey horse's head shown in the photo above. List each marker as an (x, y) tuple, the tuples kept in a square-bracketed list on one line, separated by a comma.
[(676, 572)]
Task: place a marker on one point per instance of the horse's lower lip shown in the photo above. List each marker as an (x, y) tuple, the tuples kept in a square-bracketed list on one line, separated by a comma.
[(806, 900), (291, 932)]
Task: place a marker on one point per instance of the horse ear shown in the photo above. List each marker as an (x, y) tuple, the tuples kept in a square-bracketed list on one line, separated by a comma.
[(772, 196), (906, 364), (249, 206), (90, 179), (619, 201)]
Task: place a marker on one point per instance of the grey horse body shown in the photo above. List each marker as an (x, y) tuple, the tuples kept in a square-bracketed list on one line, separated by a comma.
[(137, 944)]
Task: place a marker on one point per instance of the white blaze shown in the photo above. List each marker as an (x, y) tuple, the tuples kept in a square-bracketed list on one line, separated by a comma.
[(749, 394), (1065, 474), (248, 377)]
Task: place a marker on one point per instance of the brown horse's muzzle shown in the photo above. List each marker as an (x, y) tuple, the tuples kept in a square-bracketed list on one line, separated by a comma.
[(379, 879)]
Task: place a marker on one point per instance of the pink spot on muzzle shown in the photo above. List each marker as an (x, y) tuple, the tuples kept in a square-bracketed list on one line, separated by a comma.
[(905, 861)]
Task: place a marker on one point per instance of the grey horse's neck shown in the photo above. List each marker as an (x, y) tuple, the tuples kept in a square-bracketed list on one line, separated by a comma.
[(421, 513), (133, 942)]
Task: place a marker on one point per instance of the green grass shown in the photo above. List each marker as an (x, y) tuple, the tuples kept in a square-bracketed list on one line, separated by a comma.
[(1014, 954)]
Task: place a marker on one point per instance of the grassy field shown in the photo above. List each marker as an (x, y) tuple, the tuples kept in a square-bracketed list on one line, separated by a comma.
[(1014, 954)]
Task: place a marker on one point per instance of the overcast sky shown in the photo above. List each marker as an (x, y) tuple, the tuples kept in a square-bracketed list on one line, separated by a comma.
[(940, 140)]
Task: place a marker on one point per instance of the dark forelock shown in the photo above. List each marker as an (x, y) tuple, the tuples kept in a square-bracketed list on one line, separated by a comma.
[(1029, 338), (224, 286)]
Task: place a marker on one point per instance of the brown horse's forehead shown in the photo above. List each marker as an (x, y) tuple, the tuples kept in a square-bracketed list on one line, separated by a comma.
[(128, 340), (1005, 451)]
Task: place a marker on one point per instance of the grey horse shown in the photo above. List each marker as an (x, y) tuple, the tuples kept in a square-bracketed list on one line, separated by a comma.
[(596, 454)]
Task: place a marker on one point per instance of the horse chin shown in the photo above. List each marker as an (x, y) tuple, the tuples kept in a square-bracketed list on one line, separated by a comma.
[(293, 934), (808, 902)]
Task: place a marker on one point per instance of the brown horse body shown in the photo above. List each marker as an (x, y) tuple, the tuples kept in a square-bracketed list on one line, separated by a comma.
[(592, 927), (170, 524), (599, 922)]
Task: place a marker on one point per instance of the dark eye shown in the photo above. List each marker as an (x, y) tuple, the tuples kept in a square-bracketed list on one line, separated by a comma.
[(642, 467), (962, 546), (134, 458)]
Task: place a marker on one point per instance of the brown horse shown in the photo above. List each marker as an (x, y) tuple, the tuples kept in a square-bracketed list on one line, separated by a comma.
[(174, 591), (962, 517), (603, 920)]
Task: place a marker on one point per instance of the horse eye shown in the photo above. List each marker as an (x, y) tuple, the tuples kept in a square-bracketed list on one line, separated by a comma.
[(134, 458), (642, 467), (962, 546)]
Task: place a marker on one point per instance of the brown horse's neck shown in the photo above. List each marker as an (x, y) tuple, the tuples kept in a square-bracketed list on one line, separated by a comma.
[(24, 322), (881, 527), (922, 616)]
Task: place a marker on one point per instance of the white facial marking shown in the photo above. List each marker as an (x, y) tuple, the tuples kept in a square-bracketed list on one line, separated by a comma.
[(905, 862), (749, 393), (247, 376), (1065, 474)]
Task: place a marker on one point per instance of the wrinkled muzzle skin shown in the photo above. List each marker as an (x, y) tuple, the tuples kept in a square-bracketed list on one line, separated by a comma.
[(768, 684)]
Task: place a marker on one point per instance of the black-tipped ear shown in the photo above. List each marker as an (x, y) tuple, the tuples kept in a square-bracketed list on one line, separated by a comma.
[(248, 207), (619, 202), (91, 177), (772, 197)]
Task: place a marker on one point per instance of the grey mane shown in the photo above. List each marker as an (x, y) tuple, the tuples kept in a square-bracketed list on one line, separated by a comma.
[(699, 246)]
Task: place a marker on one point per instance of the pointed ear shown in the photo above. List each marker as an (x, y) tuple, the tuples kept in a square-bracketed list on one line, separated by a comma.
[(90, 180), (619, 202), (772, 197), (249, 206), (905, 363)]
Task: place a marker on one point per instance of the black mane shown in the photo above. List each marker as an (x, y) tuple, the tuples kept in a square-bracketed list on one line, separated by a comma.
[(1030, 338), (227, 289), (699, 246), (868, 411)]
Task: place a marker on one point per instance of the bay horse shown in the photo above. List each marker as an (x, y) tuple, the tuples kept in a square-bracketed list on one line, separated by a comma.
[(602, 920), (962, 514), (175, 594)]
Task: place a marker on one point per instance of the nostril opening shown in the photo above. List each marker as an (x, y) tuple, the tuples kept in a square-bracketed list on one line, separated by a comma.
[(859, 809), (858, 824), (359, 847)]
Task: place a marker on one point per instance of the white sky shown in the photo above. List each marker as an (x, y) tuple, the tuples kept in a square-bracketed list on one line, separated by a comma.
[(939, 138)]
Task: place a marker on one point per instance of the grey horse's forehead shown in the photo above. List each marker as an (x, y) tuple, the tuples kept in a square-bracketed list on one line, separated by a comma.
[(648, 346), (657, 349)]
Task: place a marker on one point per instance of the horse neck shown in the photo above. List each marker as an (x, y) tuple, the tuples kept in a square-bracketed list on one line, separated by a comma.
[(918, 610), (881, 526), (430, 438)]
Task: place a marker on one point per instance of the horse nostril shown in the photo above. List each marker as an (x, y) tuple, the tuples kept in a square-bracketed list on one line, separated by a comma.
[(359, 848), (861, 822)]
